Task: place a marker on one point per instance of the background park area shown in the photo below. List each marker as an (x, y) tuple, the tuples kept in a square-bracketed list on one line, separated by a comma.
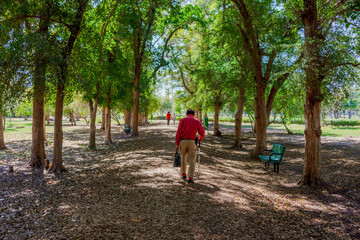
[(86, 151)]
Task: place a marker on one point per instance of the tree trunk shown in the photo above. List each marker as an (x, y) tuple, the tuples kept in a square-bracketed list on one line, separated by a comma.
[(260, 119), (44, 125), (196, 114), (140, 119), (57, 165), (127, 117), (48, 119), (25, 118), (2, 139), (238, 119), (103, 114), (93, 111), (108, 118), (61, 81), (311, 175), (38, 142), (72, 117), (216, 119), (134, 119)]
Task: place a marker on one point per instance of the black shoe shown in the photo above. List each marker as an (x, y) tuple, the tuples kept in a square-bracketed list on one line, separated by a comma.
[(190, 180), (183, 176)]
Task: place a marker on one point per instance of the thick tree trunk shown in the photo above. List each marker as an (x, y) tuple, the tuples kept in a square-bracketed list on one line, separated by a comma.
[(93, 111), (57, 165), (134, 119), (127, 117), (196, 114), (260, 120), (2, 139), (238, 119), (103, 117), (63, 68), (108, 119), (44, 126), (216, 119), (312, 175), (140, 119), (38, 142)]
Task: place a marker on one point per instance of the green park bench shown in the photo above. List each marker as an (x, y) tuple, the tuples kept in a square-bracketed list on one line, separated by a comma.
[(276, 154), (127, 129)]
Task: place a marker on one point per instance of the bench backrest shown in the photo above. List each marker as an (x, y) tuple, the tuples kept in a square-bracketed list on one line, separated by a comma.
[(277, 148)]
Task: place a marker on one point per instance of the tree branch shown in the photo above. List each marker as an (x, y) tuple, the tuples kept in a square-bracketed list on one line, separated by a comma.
[(183, 81), (270, 65), (42, 17), (342, 64)]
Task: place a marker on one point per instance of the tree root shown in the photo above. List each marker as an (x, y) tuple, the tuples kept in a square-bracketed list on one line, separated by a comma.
[(57, 169)]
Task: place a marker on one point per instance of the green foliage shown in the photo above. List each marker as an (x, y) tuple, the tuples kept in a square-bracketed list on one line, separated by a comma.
[(342, 123)]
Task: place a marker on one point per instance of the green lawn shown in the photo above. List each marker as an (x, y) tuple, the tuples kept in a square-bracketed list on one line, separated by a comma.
[(299, 129), (24, 127), (326, 130), (20, 126)]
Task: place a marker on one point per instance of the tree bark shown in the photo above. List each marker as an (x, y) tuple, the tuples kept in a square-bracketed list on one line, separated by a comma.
[(44, 125), (134, 119), (103, 114), (72, 118), (108, 118), (216, 119), (238, 119), (38, 142), (260, 120), (93, 111), (2, 139), (127, 117), (57, 165), (311, 174)]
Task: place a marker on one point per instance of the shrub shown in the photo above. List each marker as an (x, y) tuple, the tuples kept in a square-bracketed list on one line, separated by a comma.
[(342, 122)]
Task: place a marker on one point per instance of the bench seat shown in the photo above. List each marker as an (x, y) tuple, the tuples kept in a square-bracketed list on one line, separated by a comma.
[(275, 156)]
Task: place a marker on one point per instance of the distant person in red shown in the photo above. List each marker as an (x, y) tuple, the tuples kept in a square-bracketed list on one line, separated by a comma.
[(185, 138), (168, 117)]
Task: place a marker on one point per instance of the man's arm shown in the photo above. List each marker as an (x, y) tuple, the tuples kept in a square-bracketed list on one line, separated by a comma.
[(178, 134)]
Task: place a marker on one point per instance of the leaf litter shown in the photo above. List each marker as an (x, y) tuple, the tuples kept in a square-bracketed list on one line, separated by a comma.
[(130, 190)]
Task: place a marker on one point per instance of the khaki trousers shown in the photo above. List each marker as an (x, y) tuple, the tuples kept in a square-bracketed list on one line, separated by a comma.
[(188, 152)]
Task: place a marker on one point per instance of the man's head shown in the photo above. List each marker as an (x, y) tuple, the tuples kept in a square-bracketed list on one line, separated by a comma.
[(190, 112), (168, 112)]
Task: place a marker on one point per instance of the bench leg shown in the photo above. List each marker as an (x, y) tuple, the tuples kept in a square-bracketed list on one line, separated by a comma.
[(276, 167)]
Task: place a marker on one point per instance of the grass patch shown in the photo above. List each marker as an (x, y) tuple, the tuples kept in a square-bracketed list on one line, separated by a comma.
[(329, 131)]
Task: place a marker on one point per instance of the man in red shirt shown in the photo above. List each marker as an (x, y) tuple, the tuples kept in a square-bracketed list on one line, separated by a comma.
[(168, 117), (185, 138)]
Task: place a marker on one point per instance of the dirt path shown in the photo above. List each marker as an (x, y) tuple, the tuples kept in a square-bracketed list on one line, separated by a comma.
[(131, 191)]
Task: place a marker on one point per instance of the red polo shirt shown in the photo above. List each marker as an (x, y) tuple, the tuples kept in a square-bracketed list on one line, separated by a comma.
[(168, 116), (188, 127)]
